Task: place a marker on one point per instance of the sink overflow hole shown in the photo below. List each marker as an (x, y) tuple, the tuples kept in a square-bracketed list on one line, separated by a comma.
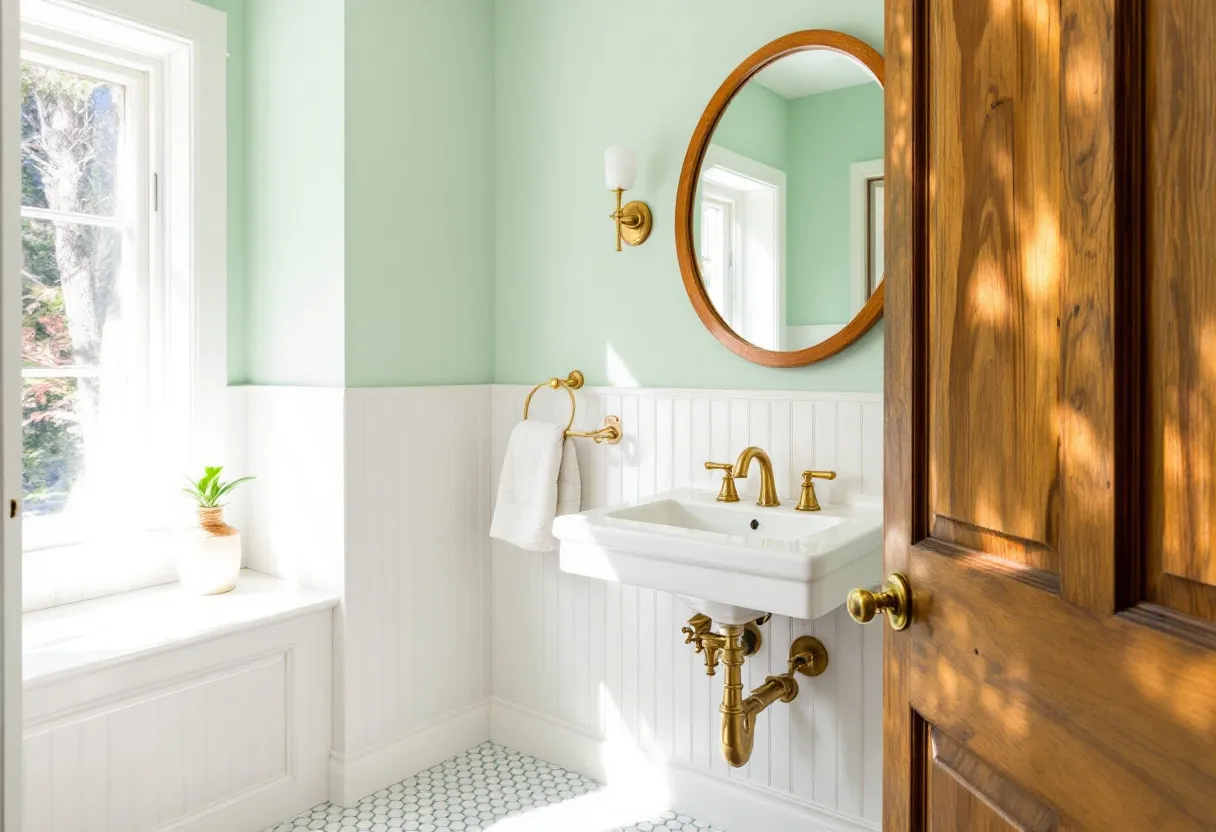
[(755, 524)]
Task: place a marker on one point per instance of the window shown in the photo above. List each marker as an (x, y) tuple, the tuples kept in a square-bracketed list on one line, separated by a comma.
[(717, 233), (742, 221), (124, 245), (88, 289)]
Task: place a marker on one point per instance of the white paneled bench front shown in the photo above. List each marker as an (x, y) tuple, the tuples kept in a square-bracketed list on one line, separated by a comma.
[(158, 710)]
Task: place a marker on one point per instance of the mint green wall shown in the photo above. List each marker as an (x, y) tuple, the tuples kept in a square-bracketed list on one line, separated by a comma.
[(294, 192), (419, 185), (756, 124), (235, 9), (836, 129), (572, 78)]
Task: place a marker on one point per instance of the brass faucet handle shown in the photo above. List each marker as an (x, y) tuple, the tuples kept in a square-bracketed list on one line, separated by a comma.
[(809, 501), (698, 626), (728, 493)]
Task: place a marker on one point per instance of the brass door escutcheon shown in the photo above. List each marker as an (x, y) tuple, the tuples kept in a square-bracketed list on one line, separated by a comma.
[(895, 601)]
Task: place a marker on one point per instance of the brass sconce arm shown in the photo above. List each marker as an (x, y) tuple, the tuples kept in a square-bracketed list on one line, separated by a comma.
[(808, 656), (633, 221)]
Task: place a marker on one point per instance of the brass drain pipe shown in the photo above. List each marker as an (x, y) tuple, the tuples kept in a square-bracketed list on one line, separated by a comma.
[(733, 645)]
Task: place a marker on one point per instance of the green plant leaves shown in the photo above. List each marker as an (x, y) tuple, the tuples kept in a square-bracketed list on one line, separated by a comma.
[(209, 490)]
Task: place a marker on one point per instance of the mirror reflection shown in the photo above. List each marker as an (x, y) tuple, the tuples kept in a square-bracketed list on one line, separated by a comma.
[(788, 220)]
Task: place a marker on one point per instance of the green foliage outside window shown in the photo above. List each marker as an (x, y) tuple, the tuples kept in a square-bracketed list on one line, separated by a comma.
[(70, 132)]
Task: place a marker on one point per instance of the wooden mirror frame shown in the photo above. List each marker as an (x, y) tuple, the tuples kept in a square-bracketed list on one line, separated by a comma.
[(686, 192)]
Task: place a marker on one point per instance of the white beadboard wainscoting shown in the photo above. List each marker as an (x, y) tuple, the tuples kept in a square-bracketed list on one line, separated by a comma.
[(577, 660), (162, 711), (417, 580), (381, 495)]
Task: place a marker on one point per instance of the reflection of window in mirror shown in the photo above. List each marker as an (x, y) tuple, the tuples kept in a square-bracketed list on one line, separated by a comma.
[(741, 250), (866, 226), (716, 233), (874, 238)]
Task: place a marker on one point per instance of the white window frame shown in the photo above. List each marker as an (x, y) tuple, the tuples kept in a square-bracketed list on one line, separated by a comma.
[(713, 195), (183, 45), (10, 428), (862, 176), (772, 185)]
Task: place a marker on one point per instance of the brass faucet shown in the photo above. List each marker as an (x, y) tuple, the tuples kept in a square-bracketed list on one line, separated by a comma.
[(808, 656), (768, 485), (809, 501)]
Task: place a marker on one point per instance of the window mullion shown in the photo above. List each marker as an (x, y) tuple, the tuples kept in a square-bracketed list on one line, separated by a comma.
[(31, 213)]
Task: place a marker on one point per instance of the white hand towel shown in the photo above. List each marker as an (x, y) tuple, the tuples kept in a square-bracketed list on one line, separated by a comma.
[(537, 480), (569, 482)]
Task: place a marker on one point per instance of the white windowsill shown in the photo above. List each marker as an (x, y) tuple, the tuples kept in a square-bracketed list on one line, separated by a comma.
[(78, 639)]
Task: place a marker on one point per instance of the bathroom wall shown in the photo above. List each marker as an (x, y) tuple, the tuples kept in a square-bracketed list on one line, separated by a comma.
[(585, 657), (369, 293), (419, 192), (757, 125), (381, 495), (294, 192), (572, 78), (836, 128), (235, 9), (370, 232)]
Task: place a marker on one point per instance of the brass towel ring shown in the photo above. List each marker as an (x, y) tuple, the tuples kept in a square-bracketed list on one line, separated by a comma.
[(610, 433)]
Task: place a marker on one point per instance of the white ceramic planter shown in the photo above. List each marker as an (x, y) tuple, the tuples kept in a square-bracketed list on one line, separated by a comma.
[(209, 563)]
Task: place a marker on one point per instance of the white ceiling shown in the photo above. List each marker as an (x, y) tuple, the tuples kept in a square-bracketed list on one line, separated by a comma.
[(812, 71)]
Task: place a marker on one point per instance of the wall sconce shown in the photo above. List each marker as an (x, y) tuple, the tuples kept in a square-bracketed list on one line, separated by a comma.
[(620, 172)]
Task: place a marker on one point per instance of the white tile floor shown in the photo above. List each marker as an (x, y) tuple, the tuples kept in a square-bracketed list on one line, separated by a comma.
[(476, 791)]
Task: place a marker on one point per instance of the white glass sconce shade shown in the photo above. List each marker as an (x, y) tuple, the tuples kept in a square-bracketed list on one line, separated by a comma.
[(620, 167)]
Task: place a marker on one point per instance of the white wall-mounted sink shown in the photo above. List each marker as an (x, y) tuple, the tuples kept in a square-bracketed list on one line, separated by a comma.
[(731, 561)]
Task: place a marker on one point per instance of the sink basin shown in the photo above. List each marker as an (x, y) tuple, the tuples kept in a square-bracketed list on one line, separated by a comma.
[(731, 561)]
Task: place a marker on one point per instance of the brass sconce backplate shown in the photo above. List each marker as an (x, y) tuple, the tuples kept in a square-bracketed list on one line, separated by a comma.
[(636, 222)]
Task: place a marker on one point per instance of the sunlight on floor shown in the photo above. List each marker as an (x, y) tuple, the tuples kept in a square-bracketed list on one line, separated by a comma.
[(491, 788)]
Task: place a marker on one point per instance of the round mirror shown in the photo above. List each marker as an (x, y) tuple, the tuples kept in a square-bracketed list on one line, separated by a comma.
[(779, 212)]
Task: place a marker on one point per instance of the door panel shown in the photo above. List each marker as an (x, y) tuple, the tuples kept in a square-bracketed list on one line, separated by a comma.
[(994, 287), (964, 792), (1181, 469), (1051, 414), (1111, 723)]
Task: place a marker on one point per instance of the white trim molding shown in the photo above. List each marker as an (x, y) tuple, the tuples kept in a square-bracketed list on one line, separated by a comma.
[(10, 423), (861, 174), (354, 776)]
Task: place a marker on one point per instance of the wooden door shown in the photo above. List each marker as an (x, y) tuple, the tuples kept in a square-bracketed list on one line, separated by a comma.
[(1051, 414)]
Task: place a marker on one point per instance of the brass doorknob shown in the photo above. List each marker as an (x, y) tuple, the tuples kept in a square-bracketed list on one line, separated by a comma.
[(895, 600)]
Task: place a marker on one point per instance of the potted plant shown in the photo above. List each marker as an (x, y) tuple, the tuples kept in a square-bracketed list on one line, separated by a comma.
[(210, 562)]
